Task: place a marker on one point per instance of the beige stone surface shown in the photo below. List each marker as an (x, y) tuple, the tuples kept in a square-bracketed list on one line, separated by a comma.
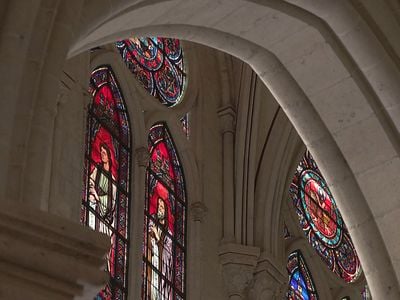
[(317, 74)]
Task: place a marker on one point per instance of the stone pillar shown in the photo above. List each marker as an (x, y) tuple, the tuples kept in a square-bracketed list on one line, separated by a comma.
[(197, 211), (37, 169), (238, 265), (269, 281), (227, 121), (43, 256), (141, 156)]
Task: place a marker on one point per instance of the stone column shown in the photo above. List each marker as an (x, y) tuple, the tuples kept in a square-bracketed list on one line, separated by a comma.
[(141, 156), (227, 121), (238, 265), (43, 256), (37, 169), (197, 211), (269, 281)]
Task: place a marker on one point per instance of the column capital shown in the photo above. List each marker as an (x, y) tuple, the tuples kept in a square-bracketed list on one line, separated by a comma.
[(238, 265), (227, 117), (142, 156), (270, 281), (198, 210), (62, 259)]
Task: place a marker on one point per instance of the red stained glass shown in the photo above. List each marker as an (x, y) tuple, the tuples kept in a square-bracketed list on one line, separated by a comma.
[(158, 65), (105, 203), (165, 216), (321, 220)]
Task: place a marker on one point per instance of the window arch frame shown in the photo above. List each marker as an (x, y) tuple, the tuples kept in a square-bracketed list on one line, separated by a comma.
[(175, 242), (302, 266), (88, 161), (296, 203)]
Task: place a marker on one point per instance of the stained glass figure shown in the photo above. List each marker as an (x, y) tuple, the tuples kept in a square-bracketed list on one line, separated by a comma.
[(321, 220), (185, 125), (301, 284), (165, 220), (157, 63), (105, 201)]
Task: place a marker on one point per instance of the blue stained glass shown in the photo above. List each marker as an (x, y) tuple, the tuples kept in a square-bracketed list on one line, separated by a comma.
[(365, 294), (301, 285)]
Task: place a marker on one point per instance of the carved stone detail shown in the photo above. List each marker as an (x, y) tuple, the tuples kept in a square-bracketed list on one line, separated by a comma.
[(142, 156), (198, 210), (227, 118), (269, 281), (238, 264)]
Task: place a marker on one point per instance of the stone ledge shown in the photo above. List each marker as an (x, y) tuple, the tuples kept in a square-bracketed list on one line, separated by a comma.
[(57, 257), (238, 254)]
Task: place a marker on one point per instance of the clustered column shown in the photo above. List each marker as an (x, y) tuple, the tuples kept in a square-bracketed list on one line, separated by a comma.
[(227, 122)]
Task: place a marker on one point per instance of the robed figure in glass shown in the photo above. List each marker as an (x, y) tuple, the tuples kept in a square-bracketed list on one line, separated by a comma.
[(159, 252), (105, 199), (164, 222), (102, 191)]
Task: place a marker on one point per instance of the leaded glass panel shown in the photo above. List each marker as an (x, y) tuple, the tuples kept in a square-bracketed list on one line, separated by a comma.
[(301, 284), (105, 203), (158, 64), (164, 251), (321, 220)]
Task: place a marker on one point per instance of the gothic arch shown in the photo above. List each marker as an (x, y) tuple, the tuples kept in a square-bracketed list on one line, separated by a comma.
[(368, 87), (136, 99), (320, 126), (313, 265)]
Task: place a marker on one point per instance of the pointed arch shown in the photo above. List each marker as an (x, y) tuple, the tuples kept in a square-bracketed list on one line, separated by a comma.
[(321, 221), (158, 64), (301, 284), (164, 246), (105, 201)]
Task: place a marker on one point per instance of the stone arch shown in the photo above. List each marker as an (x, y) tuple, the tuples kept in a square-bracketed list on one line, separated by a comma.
[(305, 81)]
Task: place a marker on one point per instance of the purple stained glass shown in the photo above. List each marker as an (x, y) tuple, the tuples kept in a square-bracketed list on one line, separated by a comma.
[(165, 220), (105, 203), (365, 294), (157, 63), (301, 284), (321, 220)]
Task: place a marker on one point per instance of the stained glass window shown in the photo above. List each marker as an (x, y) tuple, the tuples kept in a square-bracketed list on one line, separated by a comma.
[(365, 294), (105, 201), (301, 284), (157, 63), (286, 232), (165, 220), (185, 125), (321, 220)]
